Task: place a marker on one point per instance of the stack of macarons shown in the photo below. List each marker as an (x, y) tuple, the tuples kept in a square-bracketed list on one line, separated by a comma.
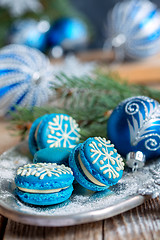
[(95, 163)]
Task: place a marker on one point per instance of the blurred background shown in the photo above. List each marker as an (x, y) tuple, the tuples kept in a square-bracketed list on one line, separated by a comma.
[(96, 12), (93, 13), (121, 37), (117, 41)]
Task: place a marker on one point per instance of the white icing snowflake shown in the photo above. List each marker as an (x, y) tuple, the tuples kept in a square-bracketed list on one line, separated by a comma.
[(64, 130), (42, 169), (19, 7), (102, 149)]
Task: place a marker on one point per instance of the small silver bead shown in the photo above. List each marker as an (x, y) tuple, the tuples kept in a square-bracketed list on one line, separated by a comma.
[(135, 160)]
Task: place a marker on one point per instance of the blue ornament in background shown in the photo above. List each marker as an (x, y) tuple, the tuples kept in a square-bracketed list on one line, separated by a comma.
[(134, 126), (69, 33), (29, 32), (26, 76), (133, 29)]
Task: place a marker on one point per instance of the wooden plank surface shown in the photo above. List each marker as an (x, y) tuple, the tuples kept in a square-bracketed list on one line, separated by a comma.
[(146, 71), (16, 231), (138, 224), (6, 140), (3, 224)]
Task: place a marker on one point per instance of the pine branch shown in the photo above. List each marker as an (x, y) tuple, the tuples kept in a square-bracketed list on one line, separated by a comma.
[(88, 100)]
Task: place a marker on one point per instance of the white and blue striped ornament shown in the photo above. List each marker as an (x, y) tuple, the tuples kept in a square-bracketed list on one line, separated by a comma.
[(134, 29), (26, 77), (29, 32)]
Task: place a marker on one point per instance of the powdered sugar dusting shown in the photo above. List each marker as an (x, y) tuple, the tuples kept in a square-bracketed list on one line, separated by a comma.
[(82, 200)]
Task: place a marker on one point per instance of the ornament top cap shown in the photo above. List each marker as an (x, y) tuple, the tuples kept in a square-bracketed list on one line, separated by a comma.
[(135, 160)]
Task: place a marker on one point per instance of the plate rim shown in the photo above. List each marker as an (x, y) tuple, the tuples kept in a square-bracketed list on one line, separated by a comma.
[(71, 219), (68, 219)]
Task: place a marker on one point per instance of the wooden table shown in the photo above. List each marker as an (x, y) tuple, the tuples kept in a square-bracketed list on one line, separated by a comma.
[(146, 72), (140, 223)]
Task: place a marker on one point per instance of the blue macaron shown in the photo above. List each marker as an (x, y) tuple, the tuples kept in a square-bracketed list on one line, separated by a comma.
[(53, 130), (32, 143), (96, 165), (58, 130), (44, 183), (59, 155)]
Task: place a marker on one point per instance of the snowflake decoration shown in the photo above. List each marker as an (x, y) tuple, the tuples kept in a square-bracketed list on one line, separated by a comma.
[(19, 7), (102, 150), (153, 187), (42, 169), (64, 131)]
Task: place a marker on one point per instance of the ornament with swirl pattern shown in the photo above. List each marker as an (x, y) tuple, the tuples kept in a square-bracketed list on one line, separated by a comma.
[(134, 126), (134, 29)]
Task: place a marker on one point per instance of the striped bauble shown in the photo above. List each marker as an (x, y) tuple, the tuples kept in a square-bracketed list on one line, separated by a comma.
[(26, 77), (133, 29)]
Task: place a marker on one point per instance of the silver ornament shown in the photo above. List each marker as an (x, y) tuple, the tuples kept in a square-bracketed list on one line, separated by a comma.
[(134, 29), (26, 76), (56, 52), (135, 160), (29, 32)]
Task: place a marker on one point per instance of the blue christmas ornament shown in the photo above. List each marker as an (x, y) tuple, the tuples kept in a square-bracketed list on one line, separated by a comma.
[(134, 29), (29, 32), (134, 126), (70, 33), (26, 76)]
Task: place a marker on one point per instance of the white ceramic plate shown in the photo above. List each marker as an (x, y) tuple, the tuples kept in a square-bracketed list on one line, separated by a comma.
[(83, 206)]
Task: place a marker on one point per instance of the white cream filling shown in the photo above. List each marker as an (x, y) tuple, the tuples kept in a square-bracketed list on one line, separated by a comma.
[(41, 191), (89, 176)]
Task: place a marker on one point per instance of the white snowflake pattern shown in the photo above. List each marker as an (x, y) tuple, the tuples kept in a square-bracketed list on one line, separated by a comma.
[(42, 169), (19, 7), (60, 135), (102, 149)]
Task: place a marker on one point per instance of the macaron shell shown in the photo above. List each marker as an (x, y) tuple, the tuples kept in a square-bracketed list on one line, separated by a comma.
[(78, 173), (43, 132), (32, 143), (53, 129), (44, 199), (47, 183), (59, 155), (99, 158), (46, 179)]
